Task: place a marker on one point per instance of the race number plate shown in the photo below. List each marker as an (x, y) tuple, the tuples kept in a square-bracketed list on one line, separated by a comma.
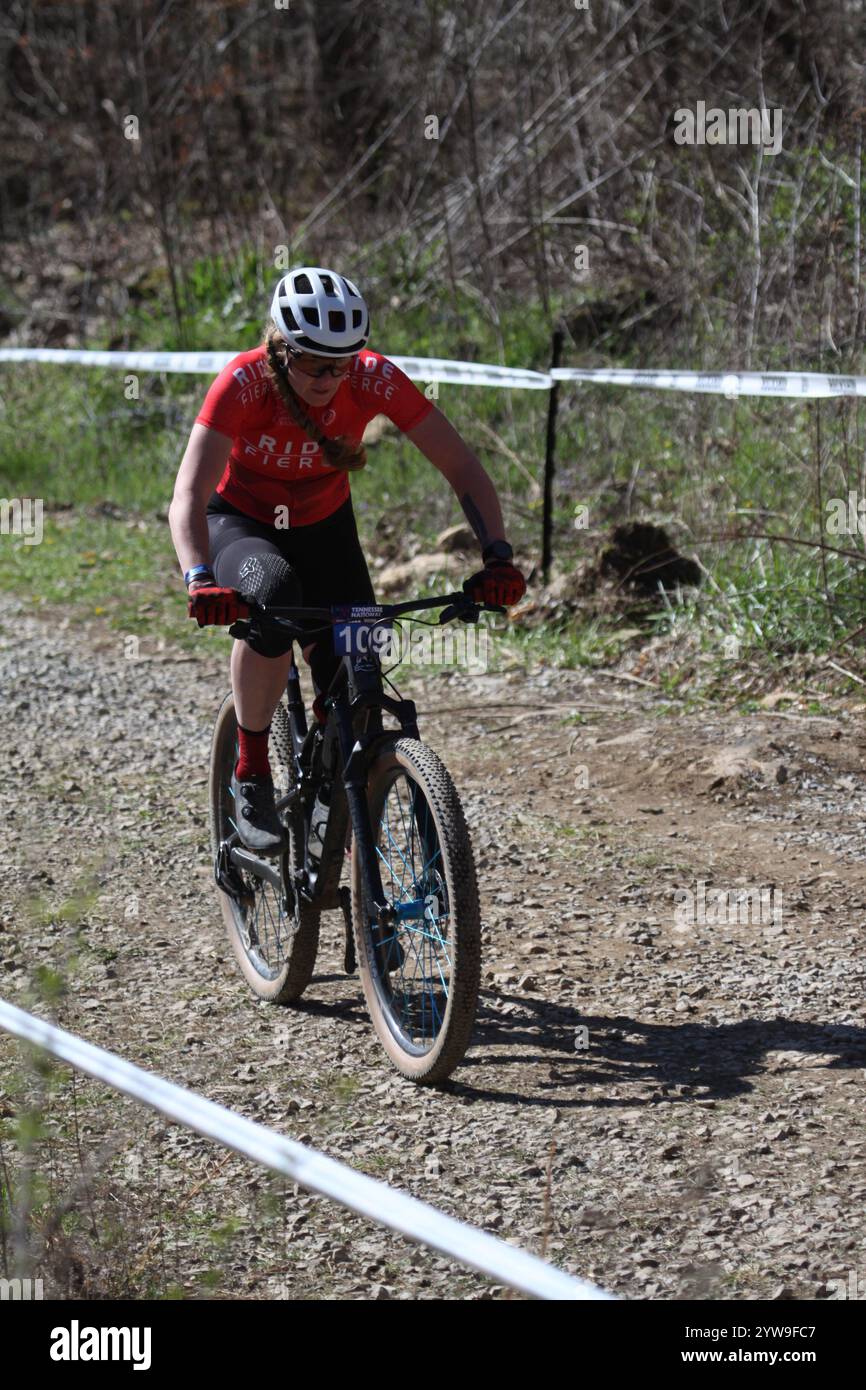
[(360, 629)]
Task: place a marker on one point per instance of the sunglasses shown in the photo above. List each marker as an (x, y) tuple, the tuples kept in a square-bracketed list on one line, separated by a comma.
[(336, 371)]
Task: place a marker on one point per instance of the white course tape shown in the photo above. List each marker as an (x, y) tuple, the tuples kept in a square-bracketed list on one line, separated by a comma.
[(145, 361), (419, 368), (804, 385), (794, 385), (471, 373), (313, 1170)]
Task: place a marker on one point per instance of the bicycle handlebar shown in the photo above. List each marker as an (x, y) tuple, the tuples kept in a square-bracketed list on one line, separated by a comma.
[(456, 605)]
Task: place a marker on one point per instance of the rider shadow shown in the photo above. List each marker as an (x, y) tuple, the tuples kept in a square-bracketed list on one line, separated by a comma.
[(681, 1061)]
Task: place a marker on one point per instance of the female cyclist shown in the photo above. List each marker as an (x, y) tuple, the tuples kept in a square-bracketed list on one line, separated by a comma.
[(262, 504)]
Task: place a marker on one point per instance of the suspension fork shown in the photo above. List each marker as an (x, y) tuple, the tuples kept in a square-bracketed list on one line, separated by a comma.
[(297, 713), (353, 748)]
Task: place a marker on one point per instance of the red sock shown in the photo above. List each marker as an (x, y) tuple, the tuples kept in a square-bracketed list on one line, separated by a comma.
[(252, 753)]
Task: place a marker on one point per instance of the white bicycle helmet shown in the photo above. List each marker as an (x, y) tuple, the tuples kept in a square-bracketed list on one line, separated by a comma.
[(321, 312)]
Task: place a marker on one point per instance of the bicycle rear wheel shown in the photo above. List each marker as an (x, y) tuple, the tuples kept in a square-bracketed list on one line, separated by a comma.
[(273, 932), (421, 981)]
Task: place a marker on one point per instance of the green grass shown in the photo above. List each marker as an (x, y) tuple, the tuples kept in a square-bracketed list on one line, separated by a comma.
[(342, 1086), (101, 450), (123, 573)]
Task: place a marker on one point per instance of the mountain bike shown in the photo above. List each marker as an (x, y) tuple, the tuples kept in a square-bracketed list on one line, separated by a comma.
[(354, 794)]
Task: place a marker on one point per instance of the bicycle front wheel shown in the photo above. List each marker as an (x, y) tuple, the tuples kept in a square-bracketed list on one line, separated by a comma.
[(273, 931), (421, 977)]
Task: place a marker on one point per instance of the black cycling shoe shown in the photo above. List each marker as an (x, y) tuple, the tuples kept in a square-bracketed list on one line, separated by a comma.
[(259, 827)]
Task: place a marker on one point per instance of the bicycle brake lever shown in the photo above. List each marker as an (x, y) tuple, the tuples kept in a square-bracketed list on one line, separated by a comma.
[(242, 626), (466, 614)]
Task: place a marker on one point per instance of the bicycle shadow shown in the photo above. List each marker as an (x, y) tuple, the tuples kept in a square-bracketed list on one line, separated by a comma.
[(347, 1007), (683, 1061)]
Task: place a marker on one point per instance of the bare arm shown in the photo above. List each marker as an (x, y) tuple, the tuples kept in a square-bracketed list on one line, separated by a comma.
[(200, 470), (440, 442)]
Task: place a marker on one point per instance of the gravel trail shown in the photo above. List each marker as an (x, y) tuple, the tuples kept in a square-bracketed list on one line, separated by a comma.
[(668, 1106)]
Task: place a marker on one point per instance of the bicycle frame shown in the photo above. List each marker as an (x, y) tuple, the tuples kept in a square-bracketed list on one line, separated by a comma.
[(355, 691)]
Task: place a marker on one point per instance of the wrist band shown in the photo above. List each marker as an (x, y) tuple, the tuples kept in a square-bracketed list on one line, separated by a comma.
[(497, 550), (197, 572)]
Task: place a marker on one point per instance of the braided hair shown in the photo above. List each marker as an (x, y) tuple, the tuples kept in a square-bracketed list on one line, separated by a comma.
[(340, 451)]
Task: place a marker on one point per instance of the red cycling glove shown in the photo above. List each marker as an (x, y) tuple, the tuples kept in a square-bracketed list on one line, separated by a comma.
[(212, 606), (499, 582)]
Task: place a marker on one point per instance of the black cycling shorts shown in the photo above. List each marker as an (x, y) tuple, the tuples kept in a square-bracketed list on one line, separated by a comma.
[(326, 560)]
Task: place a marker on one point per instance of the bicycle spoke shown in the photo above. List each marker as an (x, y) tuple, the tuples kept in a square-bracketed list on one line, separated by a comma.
[(408, 848), (265, 924), (387, 864), (403, 818), (391, 840), (273, 933)]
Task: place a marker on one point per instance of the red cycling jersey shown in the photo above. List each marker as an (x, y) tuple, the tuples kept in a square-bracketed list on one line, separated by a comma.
[(274, 463)]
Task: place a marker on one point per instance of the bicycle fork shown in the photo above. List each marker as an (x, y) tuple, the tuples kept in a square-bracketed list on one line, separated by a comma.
[(353, 748)]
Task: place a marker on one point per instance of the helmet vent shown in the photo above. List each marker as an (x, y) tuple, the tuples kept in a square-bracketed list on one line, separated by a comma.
[(357, 317), (312, 316), (328, 285), (336, 320), (302, 285)]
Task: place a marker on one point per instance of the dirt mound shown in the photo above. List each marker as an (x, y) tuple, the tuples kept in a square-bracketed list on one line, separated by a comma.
[(642, 558)]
